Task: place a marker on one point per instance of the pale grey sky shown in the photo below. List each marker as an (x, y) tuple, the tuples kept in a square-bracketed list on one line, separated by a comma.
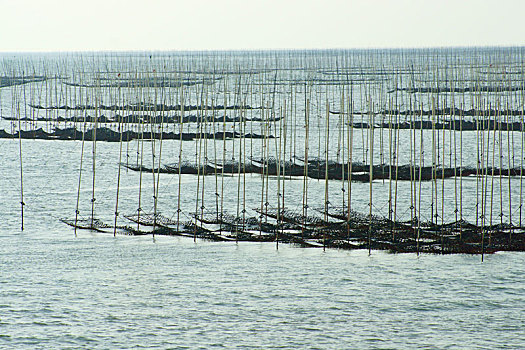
[(71, 25)]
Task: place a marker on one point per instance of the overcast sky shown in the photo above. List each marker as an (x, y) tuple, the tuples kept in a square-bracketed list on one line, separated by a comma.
[(59, 25)]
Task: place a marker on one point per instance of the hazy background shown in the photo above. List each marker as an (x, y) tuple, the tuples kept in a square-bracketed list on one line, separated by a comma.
[(57, 25)]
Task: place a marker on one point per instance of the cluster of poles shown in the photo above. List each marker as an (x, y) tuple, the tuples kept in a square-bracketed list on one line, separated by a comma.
[(402, 150)]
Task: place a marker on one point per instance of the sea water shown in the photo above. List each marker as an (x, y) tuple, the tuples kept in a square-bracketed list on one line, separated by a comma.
[(93, 290)]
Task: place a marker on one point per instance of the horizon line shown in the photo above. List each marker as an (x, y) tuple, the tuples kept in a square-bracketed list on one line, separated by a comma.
[(370, 48)]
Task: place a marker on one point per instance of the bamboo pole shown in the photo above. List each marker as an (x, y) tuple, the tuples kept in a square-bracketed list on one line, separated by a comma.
[(326, 202), (371, 173), (94, 152), (350, 136), (77, 212), (182, 102), (121, 131), (22, 204), (305, 175)]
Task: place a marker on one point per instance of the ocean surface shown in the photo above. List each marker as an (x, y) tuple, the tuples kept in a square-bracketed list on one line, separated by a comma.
[(92, 290), (99, 292)]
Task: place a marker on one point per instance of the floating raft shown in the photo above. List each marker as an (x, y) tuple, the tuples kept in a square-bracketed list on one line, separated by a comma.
[(342, 230)]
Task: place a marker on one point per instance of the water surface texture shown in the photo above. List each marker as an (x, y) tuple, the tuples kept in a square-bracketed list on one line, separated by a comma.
[(95, 291), (92, 290)]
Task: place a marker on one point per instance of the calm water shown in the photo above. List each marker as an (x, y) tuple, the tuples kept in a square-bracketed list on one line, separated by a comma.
[(97, 291)]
